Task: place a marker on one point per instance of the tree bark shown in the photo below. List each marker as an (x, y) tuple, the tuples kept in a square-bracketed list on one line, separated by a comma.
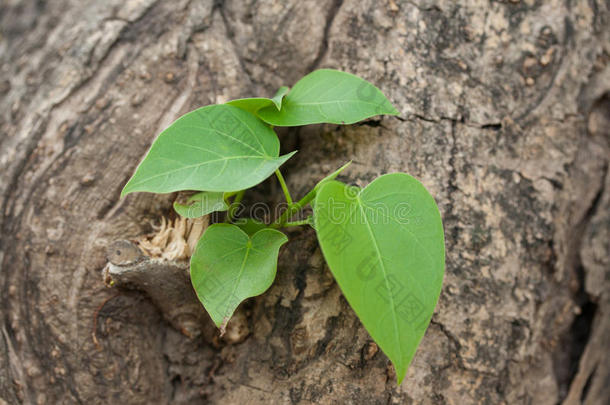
[(505, 117)]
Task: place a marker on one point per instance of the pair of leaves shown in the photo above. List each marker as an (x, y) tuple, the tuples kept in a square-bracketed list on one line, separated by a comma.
[(228, 147), (385, 247)]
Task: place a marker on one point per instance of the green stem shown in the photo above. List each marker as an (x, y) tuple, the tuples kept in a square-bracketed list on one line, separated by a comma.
[(234, 205), (293, 209), (305, 221), (284, 187)]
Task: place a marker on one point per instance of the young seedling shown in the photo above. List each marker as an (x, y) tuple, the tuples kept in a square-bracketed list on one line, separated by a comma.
[(383, 243)]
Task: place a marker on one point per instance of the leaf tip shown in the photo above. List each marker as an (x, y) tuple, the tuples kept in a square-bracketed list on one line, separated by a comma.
[(125, 191), (399, 379), (392, 110), (401, 373), (289, 155), (223, 326)]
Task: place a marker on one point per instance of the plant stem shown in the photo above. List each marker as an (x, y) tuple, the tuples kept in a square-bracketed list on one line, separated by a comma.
[(305, 221), (293, 209), (234, 206), (284, 187)]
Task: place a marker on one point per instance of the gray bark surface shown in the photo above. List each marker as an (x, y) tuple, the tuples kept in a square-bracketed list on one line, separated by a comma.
[(505, 117)]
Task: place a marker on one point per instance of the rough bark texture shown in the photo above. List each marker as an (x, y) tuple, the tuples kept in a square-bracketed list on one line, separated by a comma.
[(505, 118)]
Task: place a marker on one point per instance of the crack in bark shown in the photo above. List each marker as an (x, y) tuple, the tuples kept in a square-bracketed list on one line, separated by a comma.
[(452, 182), (496, 126), (432, 8), (219, 6), (15, 367), (323, 49), (581, 328)]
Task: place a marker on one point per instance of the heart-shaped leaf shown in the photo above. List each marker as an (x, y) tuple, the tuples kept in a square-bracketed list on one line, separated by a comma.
[(214, 148), (201, 204), (254, 104), (229, 266), (330, 96), (385, 247)]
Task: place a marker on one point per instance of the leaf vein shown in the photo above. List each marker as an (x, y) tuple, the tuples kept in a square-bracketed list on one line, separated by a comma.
[(385, 276)]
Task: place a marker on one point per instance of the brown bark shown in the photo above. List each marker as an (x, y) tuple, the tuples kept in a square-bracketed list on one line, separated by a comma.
[(504, 117)]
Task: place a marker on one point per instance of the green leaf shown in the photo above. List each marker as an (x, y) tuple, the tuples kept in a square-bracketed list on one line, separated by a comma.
[(330, 96), (201, 204), (250, 225), (252, 105), (385, 247), (228, 266), (279, 96), (214, 148)]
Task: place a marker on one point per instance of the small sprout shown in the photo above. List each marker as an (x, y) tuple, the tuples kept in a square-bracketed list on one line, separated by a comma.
[(383, 243)]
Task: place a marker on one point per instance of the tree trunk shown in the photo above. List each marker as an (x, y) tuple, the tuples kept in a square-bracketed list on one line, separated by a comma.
[(505, 117)]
